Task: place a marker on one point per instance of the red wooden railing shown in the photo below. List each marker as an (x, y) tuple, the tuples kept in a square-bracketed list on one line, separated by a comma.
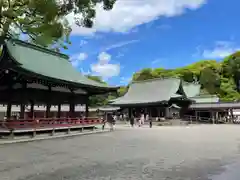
[(49, 123)]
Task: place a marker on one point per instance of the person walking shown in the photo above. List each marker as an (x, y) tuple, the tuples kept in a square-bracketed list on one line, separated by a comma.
[(141, 120), (110, 121), (132, 121), (104, 123), (150, 122), (147, 118)]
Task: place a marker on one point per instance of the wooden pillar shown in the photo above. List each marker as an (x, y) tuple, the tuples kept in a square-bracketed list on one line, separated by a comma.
[(129, 113), (167, 112), (196, 115), (217, 117), (72, 109), (158, 112), (32, 109), (23, 100), (232, 116), (59, 111), (48, 104), (213, 117), (71, 105), (22, 110), (87, 107), (9, 103), (9, 110), (48, 110), (87, 110)]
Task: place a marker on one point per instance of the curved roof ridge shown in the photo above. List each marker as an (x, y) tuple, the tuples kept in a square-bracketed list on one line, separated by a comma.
[(155, 79), (39, 48)]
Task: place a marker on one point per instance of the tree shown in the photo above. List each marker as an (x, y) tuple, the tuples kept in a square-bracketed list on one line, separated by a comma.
[(231, 68), (144, 74), (122, 90), (43, 21), (210, 80), (185, 74), (102, 99), (96, 78), (98, 100)]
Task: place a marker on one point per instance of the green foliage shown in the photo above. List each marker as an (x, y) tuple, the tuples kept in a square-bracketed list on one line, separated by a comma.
[(43, 21), (210, 80), (221, 78), (122, 90), (143, 75), (231, 67), (96, 78), (103, 99)]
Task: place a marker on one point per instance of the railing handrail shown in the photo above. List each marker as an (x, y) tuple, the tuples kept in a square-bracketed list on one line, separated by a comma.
[(11, 124), (55, 118)]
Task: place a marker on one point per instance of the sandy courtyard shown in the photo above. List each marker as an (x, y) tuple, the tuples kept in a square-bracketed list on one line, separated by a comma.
[(163, 153)]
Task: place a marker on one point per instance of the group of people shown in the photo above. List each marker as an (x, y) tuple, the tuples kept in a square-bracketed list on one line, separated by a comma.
[(109, 118), (140, 120)]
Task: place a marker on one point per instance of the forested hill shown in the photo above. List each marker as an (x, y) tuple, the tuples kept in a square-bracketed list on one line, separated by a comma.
[(216, 77)]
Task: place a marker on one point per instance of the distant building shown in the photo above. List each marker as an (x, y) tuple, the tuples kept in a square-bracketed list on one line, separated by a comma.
[(162, 97)]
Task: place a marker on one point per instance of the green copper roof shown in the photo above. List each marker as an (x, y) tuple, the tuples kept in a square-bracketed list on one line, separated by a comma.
[(150, 91), (47, 63), (191, 89), (206, 99)]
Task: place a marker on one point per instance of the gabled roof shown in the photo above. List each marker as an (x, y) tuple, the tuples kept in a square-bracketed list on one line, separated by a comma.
[(150, 92), (206, 98), (191, 89), (47, 63)]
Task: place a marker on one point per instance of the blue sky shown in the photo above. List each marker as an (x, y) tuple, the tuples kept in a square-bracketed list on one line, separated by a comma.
[(154, 33)]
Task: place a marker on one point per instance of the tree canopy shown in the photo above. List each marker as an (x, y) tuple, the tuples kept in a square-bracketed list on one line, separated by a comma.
[(43, 21), (216, 77), (100, 100)]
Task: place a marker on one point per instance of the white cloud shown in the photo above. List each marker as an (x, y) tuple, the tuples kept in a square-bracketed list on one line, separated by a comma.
[(121, 44), (77, 58), (220, 50), (104, 58), (77, 30), (104, 68), (82, 56), (127, 14), (83, 42), (156, 61)]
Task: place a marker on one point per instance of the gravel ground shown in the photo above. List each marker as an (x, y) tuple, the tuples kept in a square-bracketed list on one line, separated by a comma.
[(162, 153)]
